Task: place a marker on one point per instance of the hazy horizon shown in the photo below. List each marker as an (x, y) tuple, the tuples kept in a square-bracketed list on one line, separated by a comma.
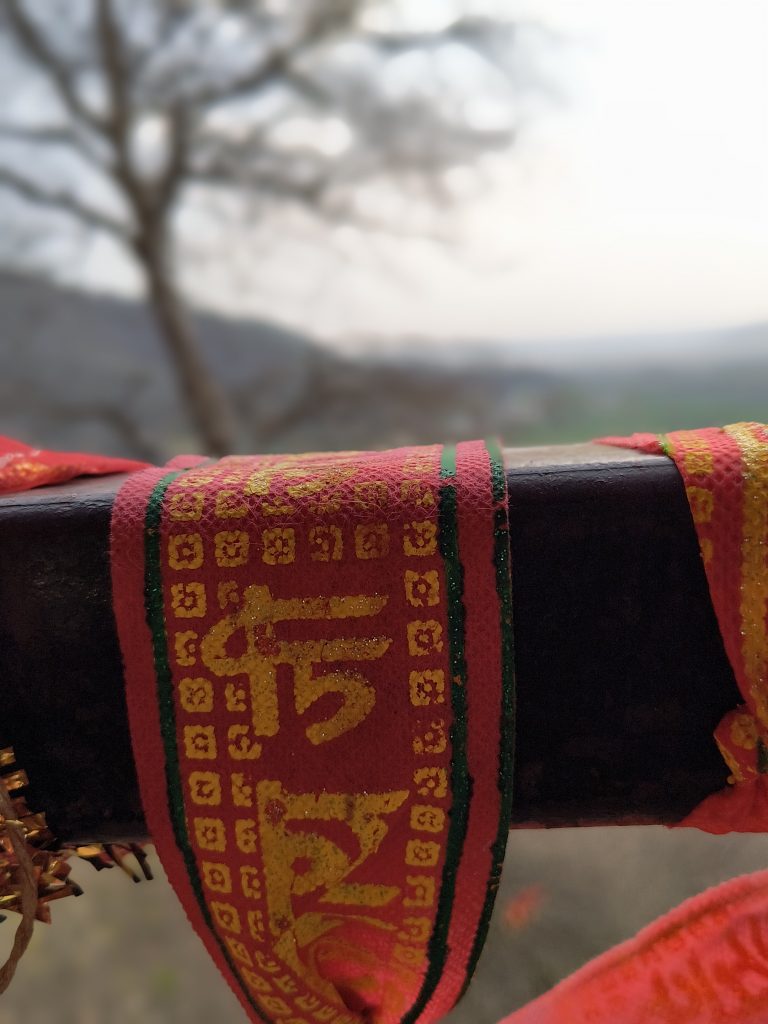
[(746, 340), (634, 201)]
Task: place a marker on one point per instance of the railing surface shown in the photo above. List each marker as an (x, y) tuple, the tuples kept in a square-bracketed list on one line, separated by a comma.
[(621, 674)]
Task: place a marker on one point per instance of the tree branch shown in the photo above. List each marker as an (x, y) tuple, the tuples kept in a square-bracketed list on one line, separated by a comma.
[(52, 134), (177, 166), (118, 123), (307, 88), (249, 81), (280, 63), (114, 415), (273, 184), (37, 49), (65, 202), (471, 31), (55, 135), (113, 62)]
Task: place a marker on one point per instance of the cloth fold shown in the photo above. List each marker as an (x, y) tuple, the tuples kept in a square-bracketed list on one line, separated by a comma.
[(23, 467), (706, 962), (725, 474)]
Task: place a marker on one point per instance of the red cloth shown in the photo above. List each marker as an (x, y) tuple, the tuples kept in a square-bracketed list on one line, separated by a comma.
[(707, 961), (23, 467), (318, 670), (289, 889), (725, 473), (704, 963)]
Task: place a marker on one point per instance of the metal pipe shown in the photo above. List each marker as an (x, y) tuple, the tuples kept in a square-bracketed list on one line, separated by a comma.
[(621, 673)]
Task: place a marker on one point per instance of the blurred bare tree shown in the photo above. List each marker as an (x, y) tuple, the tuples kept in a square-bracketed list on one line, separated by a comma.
[(119, 112)]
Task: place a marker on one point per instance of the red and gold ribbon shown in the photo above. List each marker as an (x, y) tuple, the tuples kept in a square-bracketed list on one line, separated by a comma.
[(318, 662), (318, 667), (23, 467), (707, 961), (725, 473)]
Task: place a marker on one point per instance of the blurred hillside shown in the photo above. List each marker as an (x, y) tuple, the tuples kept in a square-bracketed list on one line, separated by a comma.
[(85, 371), (88, 371)]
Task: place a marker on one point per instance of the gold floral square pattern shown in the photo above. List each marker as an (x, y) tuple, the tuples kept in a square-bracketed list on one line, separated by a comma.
[(420, 538), (185, 551), (425, 637), (422, 589), (231, 547), (279, 545), (188, 600), (372, 540)]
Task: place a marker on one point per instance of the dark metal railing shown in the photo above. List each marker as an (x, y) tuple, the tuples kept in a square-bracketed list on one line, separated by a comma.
[(621, 674)]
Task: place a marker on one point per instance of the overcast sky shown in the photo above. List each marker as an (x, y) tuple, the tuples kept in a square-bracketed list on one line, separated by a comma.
[(637, 202)]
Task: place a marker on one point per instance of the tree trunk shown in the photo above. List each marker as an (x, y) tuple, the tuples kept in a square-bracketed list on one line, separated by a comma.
[(205, 401)]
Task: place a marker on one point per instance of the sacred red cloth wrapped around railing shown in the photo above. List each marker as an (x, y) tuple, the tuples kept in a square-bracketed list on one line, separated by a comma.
[(221, 658)]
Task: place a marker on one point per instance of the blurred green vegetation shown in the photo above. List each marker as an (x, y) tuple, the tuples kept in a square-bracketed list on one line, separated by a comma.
[(125, 954), (594, 404)]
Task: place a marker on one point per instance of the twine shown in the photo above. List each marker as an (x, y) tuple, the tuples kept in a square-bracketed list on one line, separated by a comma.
[(28, 890)]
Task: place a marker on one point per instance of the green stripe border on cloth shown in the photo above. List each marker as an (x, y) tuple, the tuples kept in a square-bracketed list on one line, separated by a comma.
[(153, 604), (502, 560), (461, 781)]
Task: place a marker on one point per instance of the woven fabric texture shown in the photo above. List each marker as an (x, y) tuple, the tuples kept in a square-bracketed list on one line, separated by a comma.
[(318, 668)]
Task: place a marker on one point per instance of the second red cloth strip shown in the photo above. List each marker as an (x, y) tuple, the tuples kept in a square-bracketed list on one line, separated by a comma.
[(725, 473), (707, 961)]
